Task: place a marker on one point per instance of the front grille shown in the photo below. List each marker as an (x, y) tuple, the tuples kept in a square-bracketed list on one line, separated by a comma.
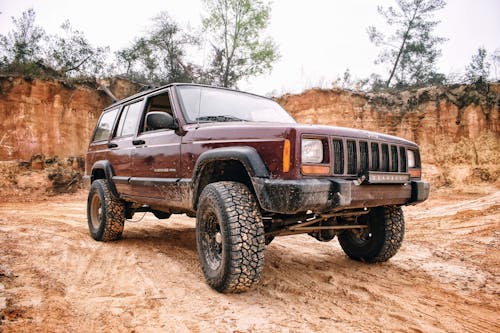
[(352, 157)]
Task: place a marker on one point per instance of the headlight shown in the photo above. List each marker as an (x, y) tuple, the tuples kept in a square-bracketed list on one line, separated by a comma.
[(411, 158), (312, 151)]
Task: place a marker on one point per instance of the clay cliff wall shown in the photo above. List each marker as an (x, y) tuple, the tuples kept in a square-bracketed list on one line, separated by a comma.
[(50, 117), (457, 127)]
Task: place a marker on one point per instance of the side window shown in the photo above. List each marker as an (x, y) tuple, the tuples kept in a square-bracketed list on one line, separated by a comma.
[(129, 119), (105, 125), (158, 103)]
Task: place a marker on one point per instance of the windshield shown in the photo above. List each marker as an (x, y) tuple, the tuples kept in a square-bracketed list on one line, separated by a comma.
[(205, 104)]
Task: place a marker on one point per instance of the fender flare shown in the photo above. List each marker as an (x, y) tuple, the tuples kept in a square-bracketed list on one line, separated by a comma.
[(247, 156), (108, 174)]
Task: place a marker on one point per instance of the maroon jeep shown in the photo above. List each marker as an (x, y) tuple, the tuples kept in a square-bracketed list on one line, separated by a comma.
[(248, 172)]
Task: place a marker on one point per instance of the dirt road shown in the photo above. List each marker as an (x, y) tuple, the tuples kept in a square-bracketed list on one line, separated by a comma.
[(55, 278)]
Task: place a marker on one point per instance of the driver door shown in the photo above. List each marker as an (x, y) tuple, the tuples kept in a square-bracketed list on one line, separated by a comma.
[(156, 157)]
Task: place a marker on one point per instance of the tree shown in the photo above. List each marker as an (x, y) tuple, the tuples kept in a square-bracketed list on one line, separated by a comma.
[(159, 57), (478, 70), (169, 41), (137, 60), (412, 50), (238, 51), (23, 45), (495, 58), (72, 54)]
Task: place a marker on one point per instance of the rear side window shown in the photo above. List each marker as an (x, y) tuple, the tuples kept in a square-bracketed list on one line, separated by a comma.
[(129, 119), (105, 125)]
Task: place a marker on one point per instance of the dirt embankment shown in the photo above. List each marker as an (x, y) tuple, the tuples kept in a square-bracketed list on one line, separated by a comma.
[(50, 117), (457, 128), (45, 129), (40, 177)]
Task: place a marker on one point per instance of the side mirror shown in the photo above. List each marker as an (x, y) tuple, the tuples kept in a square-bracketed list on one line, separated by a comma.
[(160, 120)]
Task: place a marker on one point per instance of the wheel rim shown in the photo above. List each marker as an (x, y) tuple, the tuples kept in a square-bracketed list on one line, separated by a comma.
[(361, 237), (212, 241), (95, 211)]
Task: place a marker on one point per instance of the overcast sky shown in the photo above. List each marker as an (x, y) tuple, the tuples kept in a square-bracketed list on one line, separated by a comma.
[(318, 39)]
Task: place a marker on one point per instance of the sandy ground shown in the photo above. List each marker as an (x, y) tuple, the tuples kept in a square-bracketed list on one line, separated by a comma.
[(55, 278)]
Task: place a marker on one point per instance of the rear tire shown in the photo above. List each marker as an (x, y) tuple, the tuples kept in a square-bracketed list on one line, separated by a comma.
[(105, 212), (380, 241), (230, 237)]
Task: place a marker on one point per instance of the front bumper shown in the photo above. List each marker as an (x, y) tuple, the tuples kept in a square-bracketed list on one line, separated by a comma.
[(323, 195)]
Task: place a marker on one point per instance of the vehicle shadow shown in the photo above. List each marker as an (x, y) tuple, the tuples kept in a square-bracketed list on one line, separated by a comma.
[(291, 263), (161, 237)]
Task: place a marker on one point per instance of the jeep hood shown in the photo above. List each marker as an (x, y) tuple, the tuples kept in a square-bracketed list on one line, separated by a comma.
[(261, 130)]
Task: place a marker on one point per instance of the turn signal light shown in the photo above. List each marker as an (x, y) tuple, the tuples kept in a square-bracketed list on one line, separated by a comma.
[(316, 169), (286, 156), (415, 173)]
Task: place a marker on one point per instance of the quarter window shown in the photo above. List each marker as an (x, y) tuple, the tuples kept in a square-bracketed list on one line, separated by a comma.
[(105, 125)]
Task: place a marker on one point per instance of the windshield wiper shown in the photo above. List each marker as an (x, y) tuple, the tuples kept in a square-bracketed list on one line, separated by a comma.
[(219, 118)]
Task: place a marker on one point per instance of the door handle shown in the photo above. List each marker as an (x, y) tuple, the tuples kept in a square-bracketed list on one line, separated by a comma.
[(112, 145), (138, 142)]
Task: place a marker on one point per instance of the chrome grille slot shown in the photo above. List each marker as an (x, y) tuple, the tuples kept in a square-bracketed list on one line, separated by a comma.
[(394, 159), (385, 158), (363, 156), (338, 156), (352, 157), (402, 157), (375, 156)]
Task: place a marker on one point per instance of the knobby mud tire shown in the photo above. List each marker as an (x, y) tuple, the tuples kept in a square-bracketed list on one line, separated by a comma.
[(105, 212), (230, 237), (387, 228)]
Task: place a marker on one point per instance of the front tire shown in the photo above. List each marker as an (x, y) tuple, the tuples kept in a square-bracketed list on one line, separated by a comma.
[(105, 212), (380, 241), (230, 237)]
